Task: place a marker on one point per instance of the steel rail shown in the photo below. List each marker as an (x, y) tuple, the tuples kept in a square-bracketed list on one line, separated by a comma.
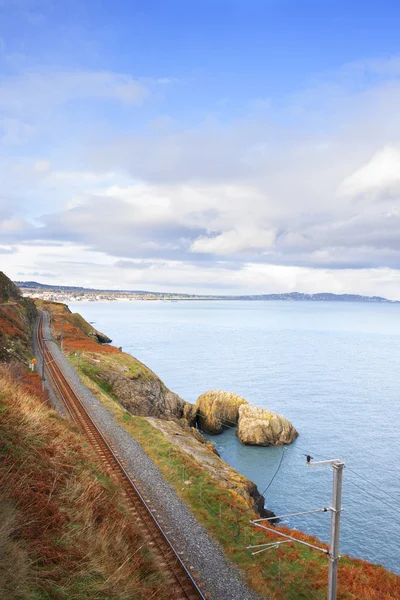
[(187, 587)]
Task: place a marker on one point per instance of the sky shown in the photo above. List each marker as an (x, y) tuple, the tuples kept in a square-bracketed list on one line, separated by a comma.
[(201, 146)]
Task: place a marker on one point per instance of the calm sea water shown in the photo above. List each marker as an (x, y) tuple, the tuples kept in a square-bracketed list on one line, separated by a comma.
[(331, 368)]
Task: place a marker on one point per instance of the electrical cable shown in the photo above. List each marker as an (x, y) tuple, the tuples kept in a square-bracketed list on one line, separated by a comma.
[(373, 484), (373, 495), (276, 472)]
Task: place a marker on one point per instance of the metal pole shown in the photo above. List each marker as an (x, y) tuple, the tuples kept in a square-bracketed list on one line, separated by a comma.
[(335, 530), (62, 335), (279, 572), (43, 342)]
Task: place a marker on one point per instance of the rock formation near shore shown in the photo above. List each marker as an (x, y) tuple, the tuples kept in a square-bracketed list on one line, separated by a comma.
[(217, 410), (145, 396), (203, 452), (260, 427), (134, 385)]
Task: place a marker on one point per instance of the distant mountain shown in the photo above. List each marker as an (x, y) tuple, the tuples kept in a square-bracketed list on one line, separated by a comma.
[(35, 285), (293, 296), (322, 297)]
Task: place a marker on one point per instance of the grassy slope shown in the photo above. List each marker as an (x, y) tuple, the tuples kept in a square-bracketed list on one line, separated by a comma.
[(17, 316), (303, 572), (65, 530)]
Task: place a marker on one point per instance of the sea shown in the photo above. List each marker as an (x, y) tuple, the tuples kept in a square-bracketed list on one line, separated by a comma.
[(331, 368)]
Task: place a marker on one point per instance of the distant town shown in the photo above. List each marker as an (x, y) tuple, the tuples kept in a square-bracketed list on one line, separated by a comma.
[(66, 294)]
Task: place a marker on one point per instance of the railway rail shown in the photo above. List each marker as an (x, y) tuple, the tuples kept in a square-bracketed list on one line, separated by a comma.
[(180, 581)]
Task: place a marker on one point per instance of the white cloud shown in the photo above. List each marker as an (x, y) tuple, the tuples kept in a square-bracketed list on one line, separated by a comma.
[(301, 196), (76, 265), (231, 242), (380, 174)]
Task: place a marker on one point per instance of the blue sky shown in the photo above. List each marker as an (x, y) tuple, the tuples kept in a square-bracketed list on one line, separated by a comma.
[(201, 145)]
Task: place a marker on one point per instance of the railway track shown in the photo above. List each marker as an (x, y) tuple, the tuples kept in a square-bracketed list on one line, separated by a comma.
[(180, 581)]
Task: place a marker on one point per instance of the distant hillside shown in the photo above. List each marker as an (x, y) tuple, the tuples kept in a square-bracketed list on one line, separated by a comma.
[(34, 285), (292, 296), (323, 297)]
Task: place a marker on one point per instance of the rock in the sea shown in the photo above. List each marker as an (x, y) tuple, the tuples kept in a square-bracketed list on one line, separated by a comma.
[(260, 427), (217, 410)]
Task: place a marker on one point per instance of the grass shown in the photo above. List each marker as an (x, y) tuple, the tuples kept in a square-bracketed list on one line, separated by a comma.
[(65, 530), (96, 364)]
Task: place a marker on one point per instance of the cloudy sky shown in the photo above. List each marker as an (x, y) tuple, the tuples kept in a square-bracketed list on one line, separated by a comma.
[(226, 146)]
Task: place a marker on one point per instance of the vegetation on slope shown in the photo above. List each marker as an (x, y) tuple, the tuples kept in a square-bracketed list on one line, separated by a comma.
[(17, 317), (65, 531), (74, 328), (8, 290)]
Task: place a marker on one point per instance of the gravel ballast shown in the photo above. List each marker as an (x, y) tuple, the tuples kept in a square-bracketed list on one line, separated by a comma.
[(199, 551)]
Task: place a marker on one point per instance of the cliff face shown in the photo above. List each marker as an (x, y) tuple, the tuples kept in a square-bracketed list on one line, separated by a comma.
[(8, 290), (136, 387), (17, 318)]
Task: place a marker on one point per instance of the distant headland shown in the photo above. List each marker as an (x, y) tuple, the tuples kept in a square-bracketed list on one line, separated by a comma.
[(62, 293)]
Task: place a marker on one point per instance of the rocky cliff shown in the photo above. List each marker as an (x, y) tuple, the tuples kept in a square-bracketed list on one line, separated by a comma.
[(260, 427), (135, 386), (17, 318)]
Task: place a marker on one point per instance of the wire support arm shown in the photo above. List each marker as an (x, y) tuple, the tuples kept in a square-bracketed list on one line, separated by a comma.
[(289, 537), (298, 514)]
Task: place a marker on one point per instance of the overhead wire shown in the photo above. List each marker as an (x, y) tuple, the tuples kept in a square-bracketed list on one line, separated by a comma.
[(366, 491), (372, 484)]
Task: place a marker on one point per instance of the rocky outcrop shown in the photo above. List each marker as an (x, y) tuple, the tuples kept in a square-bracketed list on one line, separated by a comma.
[(101, 337), (260, 427), (132, 384), (17, 317), (8, 290), (217, 410), (77, 320), (203, 452), (146, 396)]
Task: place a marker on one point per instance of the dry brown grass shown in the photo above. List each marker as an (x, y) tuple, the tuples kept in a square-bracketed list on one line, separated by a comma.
[(66, 532), (75, 337)]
